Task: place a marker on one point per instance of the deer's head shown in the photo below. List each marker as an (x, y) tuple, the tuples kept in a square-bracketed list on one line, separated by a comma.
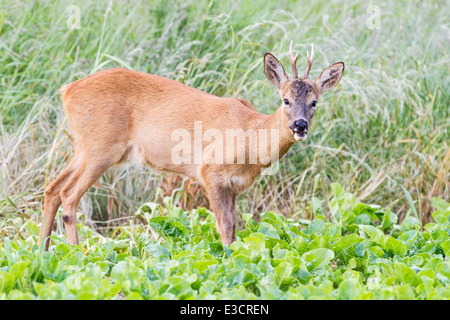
[(300, 96)]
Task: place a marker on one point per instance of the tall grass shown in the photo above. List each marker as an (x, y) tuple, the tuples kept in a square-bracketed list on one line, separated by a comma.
[(389, 117)]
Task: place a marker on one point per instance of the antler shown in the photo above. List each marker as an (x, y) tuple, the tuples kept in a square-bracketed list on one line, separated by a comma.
[(293, 62), (310, 62)]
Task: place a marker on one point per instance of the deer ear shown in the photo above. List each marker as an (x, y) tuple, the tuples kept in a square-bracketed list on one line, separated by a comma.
[(330, 77), (274, 70)]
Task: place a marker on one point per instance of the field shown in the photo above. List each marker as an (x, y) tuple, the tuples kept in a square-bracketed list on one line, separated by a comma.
[(360, 210), (176, 254)]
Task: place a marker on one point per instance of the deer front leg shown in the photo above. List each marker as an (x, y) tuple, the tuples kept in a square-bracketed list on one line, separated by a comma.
[(223, 206), (222, 201)]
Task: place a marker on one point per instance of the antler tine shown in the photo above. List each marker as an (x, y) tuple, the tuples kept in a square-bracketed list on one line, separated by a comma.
[(293, 62), (310, 61)]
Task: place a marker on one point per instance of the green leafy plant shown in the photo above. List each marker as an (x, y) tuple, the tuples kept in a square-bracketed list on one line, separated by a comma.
[(181, 257)]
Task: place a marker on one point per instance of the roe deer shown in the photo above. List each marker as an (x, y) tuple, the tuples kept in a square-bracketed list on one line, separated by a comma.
[(117, 115)]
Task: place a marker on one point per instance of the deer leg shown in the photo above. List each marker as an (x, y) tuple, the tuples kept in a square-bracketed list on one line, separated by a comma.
[(52, 202), (232, 211), (225, 217), (222, 202), (74, 189)]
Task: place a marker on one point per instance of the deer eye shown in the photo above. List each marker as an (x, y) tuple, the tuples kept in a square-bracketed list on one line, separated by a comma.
[(286, 101), (313, 104)]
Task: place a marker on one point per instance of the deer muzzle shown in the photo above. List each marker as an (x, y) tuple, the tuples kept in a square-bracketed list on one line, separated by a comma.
[(300, 129)]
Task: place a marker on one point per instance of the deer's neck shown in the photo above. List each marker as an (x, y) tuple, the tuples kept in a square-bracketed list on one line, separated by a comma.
[(279, 123), (269, 129)]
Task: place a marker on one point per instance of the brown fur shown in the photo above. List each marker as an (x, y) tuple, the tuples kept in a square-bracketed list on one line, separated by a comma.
[(118, 115)]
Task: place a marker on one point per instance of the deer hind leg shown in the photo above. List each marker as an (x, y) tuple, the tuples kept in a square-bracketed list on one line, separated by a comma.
[(52, 202), (84, 177)]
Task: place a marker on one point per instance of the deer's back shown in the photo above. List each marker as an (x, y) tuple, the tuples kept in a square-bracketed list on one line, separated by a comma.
[(121, 109)]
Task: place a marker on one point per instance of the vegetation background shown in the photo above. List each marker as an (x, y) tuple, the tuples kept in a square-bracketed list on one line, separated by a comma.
[(385, 126)]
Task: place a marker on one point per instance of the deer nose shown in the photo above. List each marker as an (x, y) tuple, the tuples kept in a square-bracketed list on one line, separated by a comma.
[(301, 125)]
